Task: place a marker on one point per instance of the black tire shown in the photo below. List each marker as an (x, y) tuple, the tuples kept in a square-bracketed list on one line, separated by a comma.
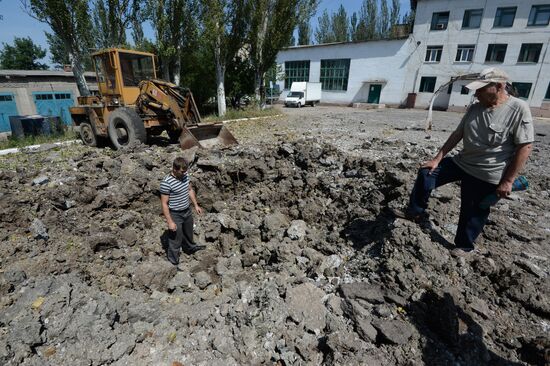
[(126, 127), (87, 134), (313, 104), (299, 105)]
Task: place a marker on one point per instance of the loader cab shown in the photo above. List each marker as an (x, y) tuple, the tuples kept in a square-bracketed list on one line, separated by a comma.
[(119, 73)]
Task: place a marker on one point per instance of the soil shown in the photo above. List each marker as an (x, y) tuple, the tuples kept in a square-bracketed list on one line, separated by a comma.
[(304, 263)]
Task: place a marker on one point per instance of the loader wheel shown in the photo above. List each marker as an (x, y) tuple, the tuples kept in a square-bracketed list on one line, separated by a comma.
[(299, 105), (126, 127), (87, 134)]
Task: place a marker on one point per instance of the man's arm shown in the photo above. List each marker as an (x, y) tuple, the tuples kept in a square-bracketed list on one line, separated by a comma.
[(166, 212), (450, 144), (194, 200), (518, 161)]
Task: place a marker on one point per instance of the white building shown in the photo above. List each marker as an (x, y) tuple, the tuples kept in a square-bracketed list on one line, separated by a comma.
[(466, 36), (450, 38)]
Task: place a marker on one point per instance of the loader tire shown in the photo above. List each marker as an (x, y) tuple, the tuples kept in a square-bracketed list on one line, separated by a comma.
[(126, 127), (87, 134)]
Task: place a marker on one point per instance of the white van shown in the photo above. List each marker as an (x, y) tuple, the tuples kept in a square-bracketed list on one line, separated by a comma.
[(302, 93)]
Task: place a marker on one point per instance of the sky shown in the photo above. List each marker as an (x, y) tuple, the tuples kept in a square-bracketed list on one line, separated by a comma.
[(16, 23)]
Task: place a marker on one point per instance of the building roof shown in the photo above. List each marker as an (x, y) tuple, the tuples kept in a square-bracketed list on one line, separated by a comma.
[(25, 73), (344, 43)]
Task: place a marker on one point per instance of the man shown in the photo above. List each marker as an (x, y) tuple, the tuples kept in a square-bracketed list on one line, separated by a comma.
[(497, 134), (175, 193)]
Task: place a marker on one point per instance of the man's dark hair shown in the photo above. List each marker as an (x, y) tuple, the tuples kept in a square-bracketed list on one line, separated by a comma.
[(180, 163)]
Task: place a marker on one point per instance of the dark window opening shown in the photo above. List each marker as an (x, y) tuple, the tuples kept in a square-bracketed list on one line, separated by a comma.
[(6, 98), (464, 90), (530, 52), (505, 17), (440, 20), (335, 74), (523, 89), (547, 96), (496, 52), (427, 84), (136, 68), (539, 15), (472, 18)]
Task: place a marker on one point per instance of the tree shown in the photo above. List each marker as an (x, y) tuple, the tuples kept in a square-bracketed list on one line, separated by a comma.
[(306, 11), (70, 21), (339, 25), (354, 25), (394, 15), (323, 33), (22, 55), (271, 25), (370, 13), (111, 19), (384, 20)]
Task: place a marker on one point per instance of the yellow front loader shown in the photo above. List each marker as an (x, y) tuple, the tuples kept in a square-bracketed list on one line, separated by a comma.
[(132, 104)]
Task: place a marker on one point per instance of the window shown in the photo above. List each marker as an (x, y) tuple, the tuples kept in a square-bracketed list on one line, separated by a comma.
[(547, 96), (440, 20), (62, 96), (530, 52), (433, 53), (427, 84), (136, 68), (6, 98), (505, 17), (296, 71), (334, 74), (540, 15), (465, 53), (44, 96), (523, 89), (464, 90), (496, 52), (472, 18)]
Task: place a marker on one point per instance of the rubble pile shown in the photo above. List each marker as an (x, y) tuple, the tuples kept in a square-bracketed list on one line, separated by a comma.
[(304, 263)]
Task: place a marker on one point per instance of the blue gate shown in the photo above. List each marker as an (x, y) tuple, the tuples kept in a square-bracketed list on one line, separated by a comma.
[(54, 104), (8, 108)]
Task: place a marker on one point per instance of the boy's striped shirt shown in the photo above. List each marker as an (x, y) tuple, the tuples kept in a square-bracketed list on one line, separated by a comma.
[(177, 190)]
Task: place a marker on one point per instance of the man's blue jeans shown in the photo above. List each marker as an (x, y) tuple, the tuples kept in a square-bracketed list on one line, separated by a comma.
[(472, 191)]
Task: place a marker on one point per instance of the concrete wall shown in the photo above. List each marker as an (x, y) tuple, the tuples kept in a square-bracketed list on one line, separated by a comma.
[(538, 74), (23, 88), (385, 61)]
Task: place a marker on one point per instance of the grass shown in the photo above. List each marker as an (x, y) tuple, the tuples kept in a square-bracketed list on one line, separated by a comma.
[(13, 142), (242, 113)]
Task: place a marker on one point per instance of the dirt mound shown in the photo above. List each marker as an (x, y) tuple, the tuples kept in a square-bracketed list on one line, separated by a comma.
[(304, 264)]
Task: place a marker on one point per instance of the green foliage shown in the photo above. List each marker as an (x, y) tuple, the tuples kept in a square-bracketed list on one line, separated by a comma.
[(250, 112), (111, 19), (373, 23), (340, 27), (13, 142), (70, 21), (323, 33), (384, 20), (22, 55), (307, 9)]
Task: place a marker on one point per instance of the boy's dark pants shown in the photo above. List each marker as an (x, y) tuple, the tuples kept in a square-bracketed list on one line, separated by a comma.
[(182, 237), (472, 191)]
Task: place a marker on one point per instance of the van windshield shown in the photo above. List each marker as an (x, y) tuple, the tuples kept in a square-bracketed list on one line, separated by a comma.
[(296, 94)]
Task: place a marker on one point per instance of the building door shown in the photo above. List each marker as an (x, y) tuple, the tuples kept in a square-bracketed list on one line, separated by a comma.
[(374, 93), (54, 104), (8, 108)]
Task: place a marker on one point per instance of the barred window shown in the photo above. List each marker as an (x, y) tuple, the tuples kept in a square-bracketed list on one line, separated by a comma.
[(62, 96), (296, 71), (6, 98), (334, 74), (44, 96)]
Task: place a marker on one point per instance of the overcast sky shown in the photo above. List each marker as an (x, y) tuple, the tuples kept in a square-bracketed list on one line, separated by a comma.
[(16, 23)]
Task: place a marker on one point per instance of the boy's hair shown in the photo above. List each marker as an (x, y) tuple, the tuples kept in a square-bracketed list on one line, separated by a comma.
[(180, 163)]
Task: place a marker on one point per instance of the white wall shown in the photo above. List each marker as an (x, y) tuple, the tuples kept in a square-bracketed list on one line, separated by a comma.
[(482, 37), (375, 60)]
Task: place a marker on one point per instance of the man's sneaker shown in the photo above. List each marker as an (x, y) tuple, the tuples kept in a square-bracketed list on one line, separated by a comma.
[(402, 214), (463, 252)]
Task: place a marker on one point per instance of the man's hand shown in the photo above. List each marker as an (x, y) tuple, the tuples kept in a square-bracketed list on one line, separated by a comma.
[(172, 226), (198, 209), (504, 189), (431, 164)]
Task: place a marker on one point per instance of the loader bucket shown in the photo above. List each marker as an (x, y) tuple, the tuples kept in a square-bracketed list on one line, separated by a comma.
[(206, 136)]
